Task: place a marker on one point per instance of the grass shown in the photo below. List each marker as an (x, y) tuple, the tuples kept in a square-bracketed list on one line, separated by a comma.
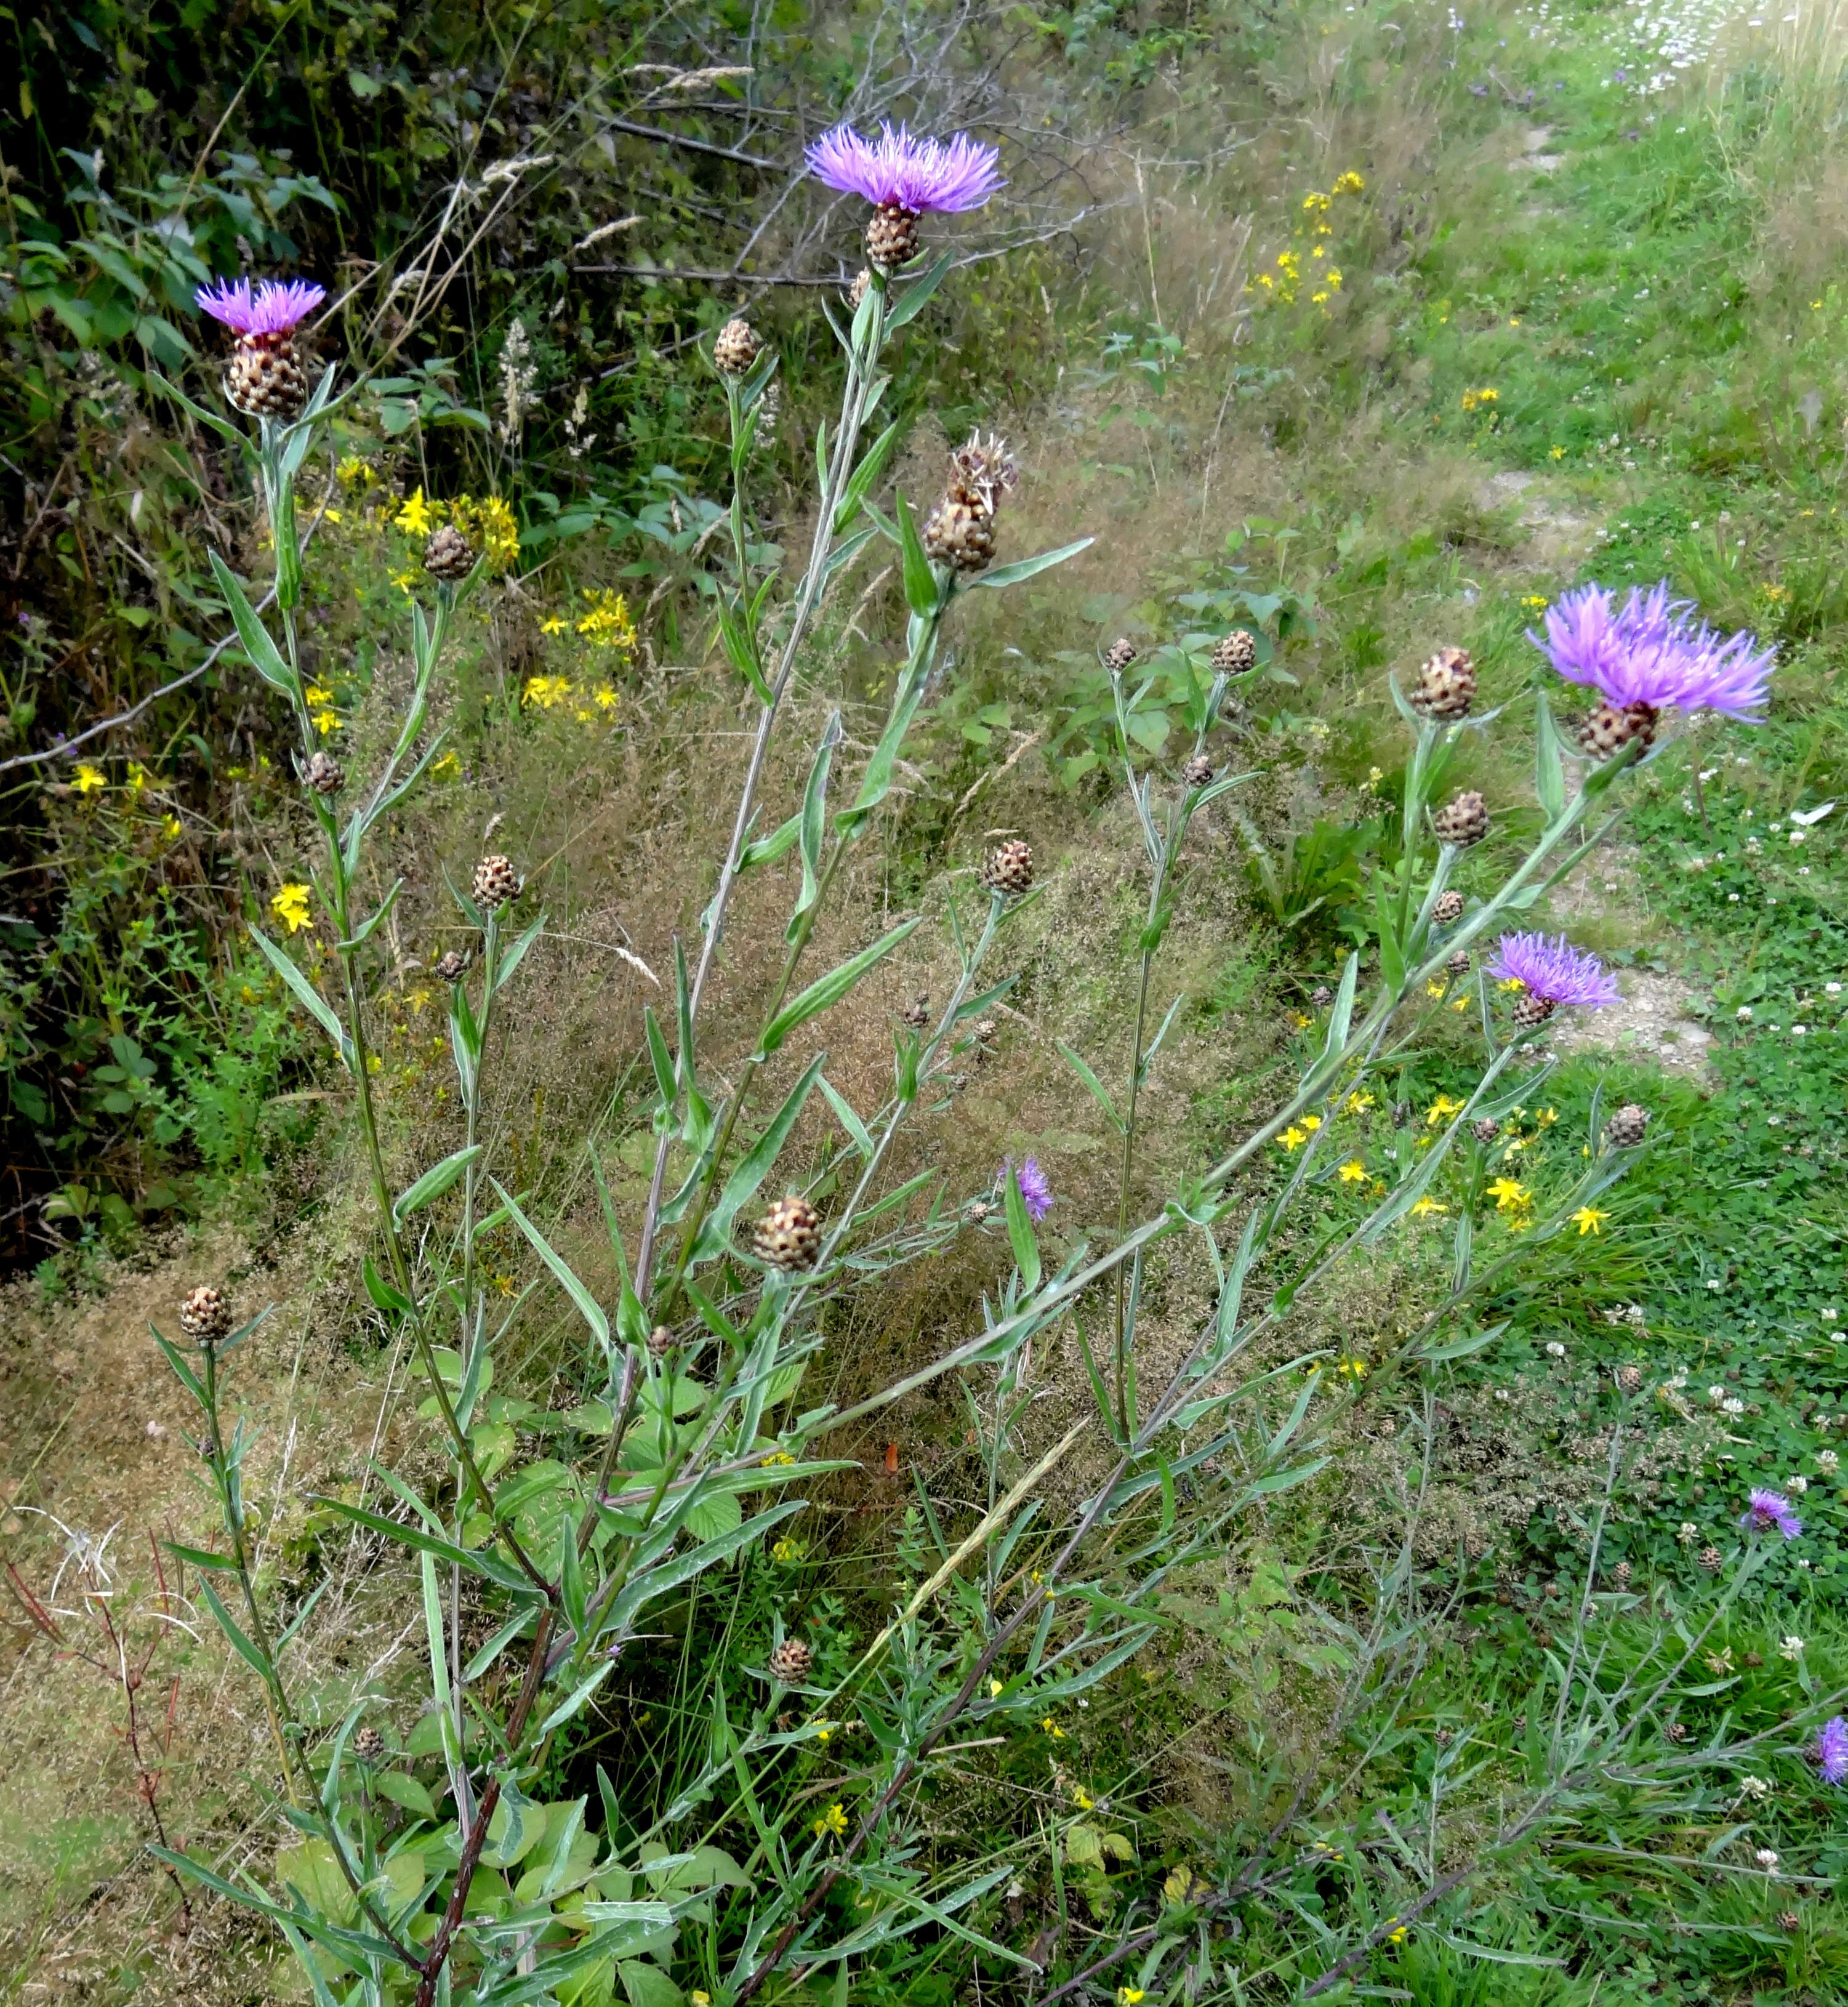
[(1655, 322)]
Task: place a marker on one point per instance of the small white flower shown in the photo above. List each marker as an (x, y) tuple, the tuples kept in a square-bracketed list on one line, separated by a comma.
[(1716, 1394), (1791, 1648), (1774, 1121), (1688, 1533), (1765, 1858), (1713, 1281), (1735, 1406), (1502, 1394), (1827, 1462), (1733, 899), (1829, 1316), (1799, 1485), (1799, 1030), (1800, 836), (1555, 1349), (1634, 1313), (1755, 1787), (1833, 988), (1744, 1012)]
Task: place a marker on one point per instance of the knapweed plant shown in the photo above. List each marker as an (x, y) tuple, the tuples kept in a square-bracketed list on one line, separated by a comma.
[(757, 1855)]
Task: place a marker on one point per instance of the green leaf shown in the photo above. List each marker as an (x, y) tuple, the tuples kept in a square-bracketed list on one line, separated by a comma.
[(911, 302), (1020, 1231), (384, 1296), (435, 1181), (717, 1513), (830, 988), (306, 994), (858, 1133), (1097, 1089), (199, 1558), (814, 824), (1012, 574), (487, 1565), (872, 464), (404, 1789), (756, 1167), (921, 592), (768, 849), (587, 1306), (1549, 773), (229, 1625), (265, 657)]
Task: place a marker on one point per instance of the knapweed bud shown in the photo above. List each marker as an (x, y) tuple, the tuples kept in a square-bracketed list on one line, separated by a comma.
[(323, 774), (1789, 1922), (1446, 687), (660, 1342), (1463, 820), (861, 286), (917, 1013), (496, 883), (1619, 1576), (368, 1745), (1710, 1559), (1119, 654), (959, 535), (448, 556), (205, 1316), (1459, 964), (891, 236), (1236, 655), (1629, 1379), (1626, 1128), (790, 1662), (1611, 727), (736, 348), (1531, 1010), (450, 966), (1198, 771), (1008, 868), (1449, 910), (1486, 1130), (264, 377), (789, 1235)]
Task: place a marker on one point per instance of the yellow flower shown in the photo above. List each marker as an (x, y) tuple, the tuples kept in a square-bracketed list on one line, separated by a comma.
[(326, 721), (1589, 1219), (700, 1999), (1440, 1109), (1321, 299), (1358, 1103), (547, 691), (1353, 1172), (1320, 251), (1129, 1996), (786, 1551), (1354, 1369), (1509, 982), (314, 693), (416, 516), (833, 1820), (1398, 1936), (553, 624), (491, 526), (1535, 600), (290, 905), (1292, 1138), (776, 1456), (333, 515), (88, 779), (1509, 1196), (608, 624), (1052, 1729), (1313, 204), (1433, 989), (170, 827), (606, 697), (1547, 1116), (1425, 1207), (1300, 1021), (994, 1689), (1558, 452), (1462, 1004), (446, 768), (1312, 1122), (404, 581), (1082, 1799), (1350, 183)]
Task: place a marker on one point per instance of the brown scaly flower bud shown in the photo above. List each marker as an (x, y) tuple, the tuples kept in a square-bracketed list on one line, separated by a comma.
[(205, 1316), (660, 1342), (1530, 1011), (264, 377), (789, 1235), (496, 883), (959, 535), (1620, 1575), (790, 1662), (1459, 964), (1198, 771), (1629, 1379), (1610, 727), (1789, 1922), (1449, 910), (368, 1745), (861, 286), (1463, 820), (1711, 1559), (1486, 1130), (1626, 1128), (1121, 654), (979, 1209), (1008, 868), (917, 1013), (1446, 687), (323, 774), (981, 470), (1236, 655), (891, 236), (451, 966), (736, 348), (448, 556)]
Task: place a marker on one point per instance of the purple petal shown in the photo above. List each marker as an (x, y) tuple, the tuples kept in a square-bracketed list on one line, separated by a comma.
[(278, 307), (1551, 967), (901, 170), (1649, 651)]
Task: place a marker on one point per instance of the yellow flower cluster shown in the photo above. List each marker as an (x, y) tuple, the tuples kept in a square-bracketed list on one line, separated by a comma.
[(607, 625), (488, 524), (833, 1820), (1476, 400), (290, 905), (548, 693), (1280, 282)]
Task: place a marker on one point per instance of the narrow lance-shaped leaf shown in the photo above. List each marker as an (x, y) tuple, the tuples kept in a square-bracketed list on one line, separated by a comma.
[(1549, 773), (435, 1181), (587, 1306), (306, 994), (265, 657), (830, 988), (1012, 574), (756, 1167), (814, 823), (1020, 1230)]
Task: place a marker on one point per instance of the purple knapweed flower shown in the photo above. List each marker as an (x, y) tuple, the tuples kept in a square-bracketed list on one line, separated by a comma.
[(1036, 1194), (277, 308), (1553, 972), (1766, 1509), (1830, 1752), (1647, 651), (898, 170)]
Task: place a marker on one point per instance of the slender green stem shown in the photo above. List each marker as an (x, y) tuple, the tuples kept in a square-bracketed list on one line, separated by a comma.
[(1129, 1149)]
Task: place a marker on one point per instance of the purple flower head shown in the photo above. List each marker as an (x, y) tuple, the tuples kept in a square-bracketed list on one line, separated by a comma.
[(1766, 1509), (1549, 967), (276, 308), (1830, 1753), (1647, 651), (899, 171), (1036, 1194)]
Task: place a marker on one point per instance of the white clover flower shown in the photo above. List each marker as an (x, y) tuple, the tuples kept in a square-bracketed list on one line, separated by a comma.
[(1832, 988), (1687, 1533), (1799, 1485), (1716, 1394), (1744, 1012), (1766, 1859), (1791, 1648), (1755, 1787), (1732, 1407), (1827, 1462), (1555, 1349)]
